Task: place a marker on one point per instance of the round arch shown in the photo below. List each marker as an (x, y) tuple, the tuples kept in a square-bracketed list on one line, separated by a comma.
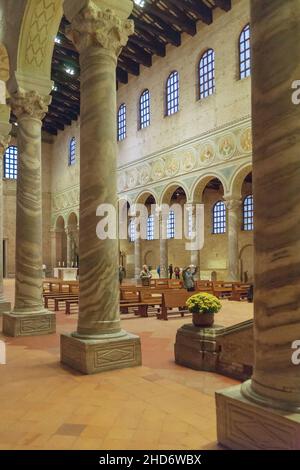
[(72, 219), (200, 185), (60, 222), (169, 190), (236, 182), (143, 196)]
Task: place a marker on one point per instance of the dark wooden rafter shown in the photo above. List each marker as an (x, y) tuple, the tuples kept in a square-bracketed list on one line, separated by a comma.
[(224, 4), (157, 24)]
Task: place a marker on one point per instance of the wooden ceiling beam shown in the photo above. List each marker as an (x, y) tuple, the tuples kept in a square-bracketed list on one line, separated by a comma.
[(202, 11), (143, 58), (122, 75), (180, 19), (224, 4), (53, 122), (129, 66), (68, 113), (156, 47), (170, 35)]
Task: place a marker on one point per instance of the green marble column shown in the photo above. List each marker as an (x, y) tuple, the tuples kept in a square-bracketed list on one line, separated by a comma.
[(99, 30), (29, 316)]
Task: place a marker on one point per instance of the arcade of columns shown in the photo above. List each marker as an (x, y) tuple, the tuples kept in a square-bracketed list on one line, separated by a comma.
[(265, 412)]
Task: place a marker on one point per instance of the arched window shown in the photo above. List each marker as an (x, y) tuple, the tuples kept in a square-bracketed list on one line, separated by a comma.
[(145, 109), (132, 236), (219, 217), (172, 95), (72, 151), (245, 52), (248, 213), (122, 122), (11, 163), (207, 74), (171, 225), (150, 227)]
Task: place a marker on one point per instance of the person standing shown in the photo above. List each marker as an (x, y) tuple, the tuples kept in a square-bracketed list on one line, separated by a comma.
[(158, 271), (145, 276), (171, 271), (177, 272), (188, 278)]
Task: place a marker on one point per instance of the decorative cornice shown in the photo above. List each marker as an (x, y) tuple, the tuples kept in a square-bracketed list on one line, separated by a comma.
[(97, 27), (29, 103)]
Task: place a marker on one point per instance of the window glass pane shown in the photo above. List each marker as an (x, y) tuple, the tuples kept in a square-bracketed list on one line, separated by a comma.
[(207, 74), (248, 213), (171, 225), (122, 122), (72, 151), (245, 53), (145, 109), (172, 95), (11, 163), (219, 218)]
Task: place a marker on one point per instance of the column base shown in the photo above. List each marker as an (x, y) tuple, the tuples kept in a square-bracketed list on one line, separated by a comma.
[(245, 425), (92, 356), (33, 324), (5, 307)]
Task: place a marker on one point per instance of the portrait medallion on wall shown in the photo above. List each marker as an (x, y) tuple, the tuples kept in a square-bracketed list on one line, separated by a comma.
[(145, 174), (245, 141), (172, 165), (206, 153), (132, 178), (188, 160), (226, 146), (158, 170)]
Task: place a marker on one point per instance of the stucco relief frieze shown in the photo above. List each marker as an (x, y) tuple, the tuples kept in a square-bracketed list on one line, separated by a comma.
[(213, 149)]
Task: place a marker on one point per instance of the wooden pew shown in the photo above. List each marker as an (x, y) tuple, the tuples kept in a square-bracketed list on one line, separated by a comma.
[(239, 292), (175, 283), (174, 299), (222, 289)]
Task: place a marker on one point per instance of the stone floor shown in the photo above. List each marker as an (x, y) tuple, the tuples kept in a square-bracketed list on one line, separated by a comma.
[(157, 406)]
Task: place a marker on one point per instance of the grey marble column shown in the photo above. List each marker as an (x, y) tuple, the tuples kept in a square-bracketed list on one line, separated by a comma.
[(163, 248), (29, 316), (234, 221), (4, 141), (265, 412), (70, 246), (195, 254), (99, 30), (137, 257)]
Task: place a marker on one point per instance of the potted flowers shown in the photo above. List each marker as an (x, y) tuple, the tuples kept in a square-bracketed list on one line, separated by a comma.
[(203, 306)]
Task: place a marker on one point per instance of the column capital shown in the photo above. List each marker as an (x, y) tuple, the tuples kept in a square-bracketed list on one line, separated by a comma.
[(29, 103), (100, 27), (233, 203)]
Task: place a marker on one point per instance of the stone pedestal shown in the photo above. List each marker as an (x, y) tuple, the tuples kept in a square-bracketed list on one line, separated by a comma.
[(226, 350), (105, 353), (29, 325), (245, 425), (5, 307)]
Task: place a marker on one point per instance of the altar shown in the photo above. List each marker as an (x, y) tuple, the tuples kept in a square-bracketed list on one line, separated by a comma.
[(66, 274)]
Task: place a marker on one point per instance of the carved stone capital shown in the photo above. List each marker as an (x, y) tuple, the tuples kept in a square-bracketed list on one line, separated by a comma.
[(233, 204), (29, 103), (4, 143), (94, 26)]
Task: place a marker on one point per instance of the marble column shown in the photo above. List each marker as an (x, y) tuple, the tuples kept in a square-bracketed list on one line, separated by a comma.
[(70, 246), (99, 30), (163, 248), (29, 316), (5, 128), (233, 206), (195, 254), (265, 412), (137, 257), (53, 241)]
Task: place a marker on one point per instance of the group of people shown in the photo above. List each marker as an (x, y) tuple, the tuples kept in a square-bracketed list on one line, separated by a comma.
[(187, 275)]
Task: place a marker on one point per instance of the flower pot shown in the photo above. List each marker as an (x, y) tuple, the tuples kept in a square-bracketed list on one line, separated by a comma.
[(203, 319)]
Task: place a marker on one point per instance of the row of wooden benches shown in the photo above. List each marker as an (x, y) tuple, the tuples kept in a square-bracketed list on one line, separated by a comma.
[(140, 298)]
